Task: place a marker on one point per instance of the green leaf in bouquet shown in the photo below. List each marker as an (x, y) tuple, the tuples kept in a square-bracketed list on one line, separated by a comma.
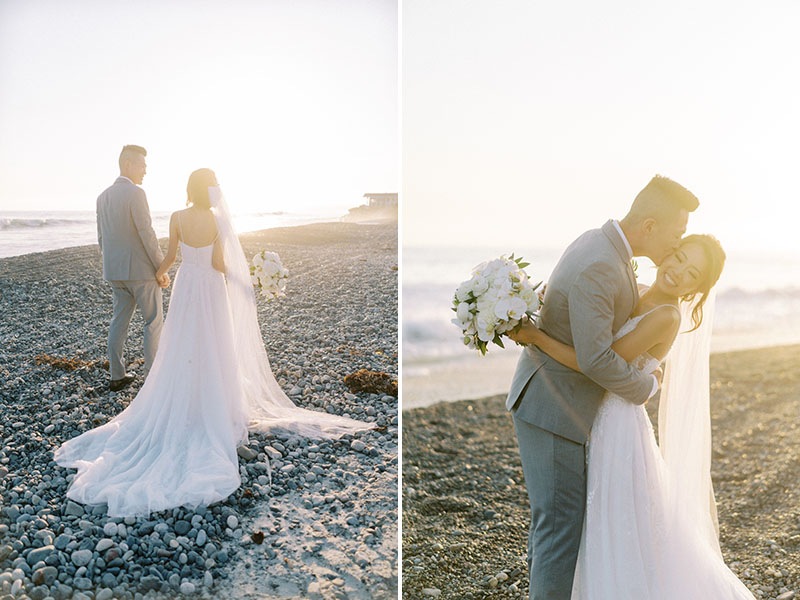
[(498, 341), (522, 265), (511, 257)]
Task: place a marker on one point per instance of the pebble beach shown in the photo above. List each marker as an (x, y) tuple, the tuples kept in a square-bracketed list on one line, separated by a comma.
[(466, 512), (325, 526)]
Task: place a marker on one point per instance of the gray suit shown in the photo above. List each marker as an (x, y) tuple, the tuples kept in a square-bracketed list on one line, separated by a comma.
[(590, 295), (131, 256)]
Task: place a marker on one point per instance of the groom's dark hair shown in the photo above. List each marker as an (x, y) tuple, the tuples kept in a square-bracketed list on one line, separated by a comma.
[(660, 198), (128, 150)]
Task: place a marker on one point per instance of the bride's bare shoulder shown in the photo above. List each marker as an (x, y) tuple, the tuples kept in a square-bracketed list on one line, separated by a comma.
[(666, 321)]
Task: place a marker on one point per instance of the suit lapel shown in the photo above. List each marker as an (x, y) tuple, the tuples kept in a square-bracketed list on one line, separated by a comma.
[(619, 245)]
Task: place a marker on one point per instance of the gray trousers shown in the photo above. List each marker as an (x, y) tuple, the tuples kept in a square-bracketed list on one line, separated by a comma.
[(555, 476), (128, 295)]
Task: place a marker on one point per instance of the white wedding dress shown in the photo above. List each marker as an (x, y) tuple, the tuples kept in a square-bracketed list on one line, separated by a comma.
[(211, 381), (175, 444), (642, 538)]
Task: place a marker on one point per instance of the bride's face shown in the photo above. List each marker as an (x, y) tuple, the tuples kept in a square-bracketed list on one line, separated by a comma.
[(683, 271)]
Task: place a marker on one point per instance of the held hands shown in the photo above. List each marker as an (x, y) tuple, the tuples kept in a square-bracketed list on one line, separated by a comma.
[(163, 280)]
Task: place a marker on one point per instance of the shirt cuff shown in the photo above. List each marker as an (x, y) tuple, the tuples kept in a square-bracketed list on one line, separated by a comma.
[(655, 387)]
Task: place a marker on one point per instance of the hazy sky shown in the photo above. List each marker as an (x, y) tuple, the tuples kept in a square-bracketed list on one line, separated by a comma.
[(529, 120), (293, 103)]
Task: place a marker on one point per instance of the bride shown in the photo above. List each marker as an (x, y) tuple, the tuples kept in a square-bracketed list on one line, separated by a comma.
[(175, 444), (650, 529)]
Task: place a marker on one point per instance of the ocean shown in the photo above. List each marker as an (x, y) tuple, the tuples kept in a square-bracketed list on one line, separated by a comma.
[(23, 232), (758, 305)]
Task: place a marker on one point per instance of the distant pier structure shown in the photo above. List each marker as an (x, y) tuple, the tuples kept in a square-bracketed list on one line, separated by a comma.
[(379, 208), (381, 200)]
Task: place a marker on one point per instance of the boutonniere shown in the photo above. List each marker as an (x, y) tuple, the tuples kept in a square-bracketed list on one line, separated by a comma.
[(635, 267)]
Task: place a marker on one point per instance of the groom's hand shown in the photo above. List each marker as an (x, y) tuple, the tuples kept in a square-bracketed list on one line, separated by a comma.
[(659, 373)]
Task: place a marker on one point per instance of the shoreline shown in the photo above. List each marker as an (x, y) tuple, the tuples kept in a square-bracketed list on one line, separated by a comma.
[(448, 380), (465, 508), (163, 241), (340, 315)]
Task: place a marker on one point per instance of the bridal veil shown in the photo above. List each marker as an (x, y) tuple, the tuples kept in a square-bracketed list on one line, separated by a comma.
[(267, 405), (684, 425)]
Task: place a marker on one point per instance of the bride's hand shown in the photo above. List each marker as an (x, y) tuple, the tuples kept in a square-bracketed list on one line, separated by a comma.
[(524, 333)]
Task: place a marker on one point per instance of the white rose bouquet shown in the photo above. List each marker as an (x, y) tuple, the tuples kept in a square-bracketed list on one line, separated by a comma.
[(268, 274), (494, 301)]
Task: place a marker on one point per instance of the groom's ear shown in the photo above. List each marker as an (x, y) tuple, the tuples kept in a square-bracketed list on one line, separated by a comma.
[(648, 225)]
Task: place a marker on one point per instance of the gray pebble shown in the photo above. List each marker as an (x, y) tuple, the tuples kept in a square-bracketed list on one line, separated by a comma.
[(34, 556), (74, 509), (81, 558), (187, 588)]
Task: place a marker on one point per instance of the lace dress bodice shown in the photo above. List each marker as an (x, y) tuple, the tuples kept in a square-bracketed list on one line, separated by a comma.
[(644, 362), (198, 257)]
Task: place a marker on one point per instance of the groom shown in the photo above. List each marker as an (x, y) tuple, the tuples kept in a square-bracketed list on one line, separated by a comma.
[(591, 293), (131, 257)]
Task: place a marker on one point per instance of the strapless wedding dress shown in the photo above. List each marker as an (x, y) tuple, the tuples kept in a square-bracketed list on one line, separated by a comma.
[(175, 444), (635, 545)]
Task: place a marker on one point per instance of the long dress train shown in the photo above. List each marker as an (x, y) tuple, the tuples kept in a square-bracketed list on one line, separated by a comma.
[(210, 381), (175, 444)]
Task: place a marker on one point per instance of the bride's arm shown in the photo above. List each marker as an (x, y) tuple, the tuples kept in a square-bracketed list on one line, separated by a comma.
[(217, 256), (172, 250), (657, 328)]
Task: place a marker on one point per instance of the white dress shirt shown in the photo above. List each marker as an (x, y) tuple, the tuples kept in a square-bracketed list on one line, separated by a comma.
[(630, 257)]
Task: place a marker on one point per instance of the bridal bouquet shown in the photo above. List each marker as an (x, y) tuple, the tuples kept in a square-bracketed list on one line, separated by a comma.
[(494, 301), (269, 275)]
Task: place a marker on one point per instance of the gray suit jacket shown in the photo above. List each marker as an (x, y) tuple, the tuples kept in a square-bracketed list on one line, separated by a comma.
[(125, 233), (590, 295)]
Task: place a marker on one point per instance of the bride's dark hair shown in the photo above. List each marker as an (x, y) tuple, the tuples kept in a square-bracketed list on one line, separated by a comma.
[(715, 256), (197, 188)]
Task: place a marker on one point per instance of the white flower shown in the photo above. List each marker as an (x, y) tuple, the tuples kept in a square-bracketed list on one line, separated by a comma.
[(480, 285), (517, 308), (493, 301), (463, 291), (463, 312), (269, 274)]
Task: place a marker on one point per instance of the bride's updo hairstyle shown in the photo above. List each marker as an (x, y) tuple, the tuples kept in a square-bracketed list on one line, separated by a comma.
[(197, 188), (715, 256)]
